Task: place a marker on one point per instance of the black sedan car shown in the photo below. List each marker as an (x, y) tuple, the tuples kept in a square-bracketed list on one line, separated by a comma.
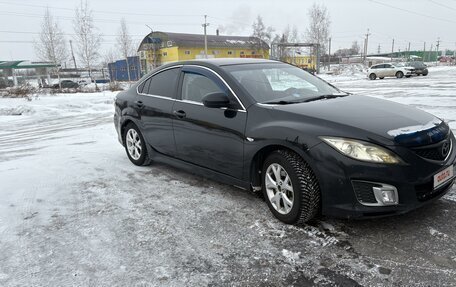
[(420, 68), (266, 125), (66, 84)]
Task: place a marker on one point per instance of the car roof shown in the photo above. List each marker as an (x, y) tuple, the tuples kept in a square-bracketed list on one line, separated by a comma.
[(225, 61)]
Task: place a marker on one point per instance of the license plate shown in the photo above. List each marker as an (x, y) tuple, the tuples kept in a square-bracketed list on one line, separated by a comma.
[(443, 176)]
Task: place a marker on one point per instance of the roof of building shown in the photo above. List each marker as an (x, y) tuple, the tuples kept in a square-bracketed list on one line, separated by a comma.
[(197, 40), (22, 64)]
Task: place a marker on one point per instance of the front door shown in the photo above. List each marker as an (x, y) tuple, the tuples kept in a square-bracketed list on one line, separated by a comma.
[(209, 137)]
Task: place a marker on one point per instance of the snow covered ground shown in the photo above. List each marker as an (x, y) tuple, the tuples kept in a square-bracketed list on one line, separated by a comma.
[(75, 212)]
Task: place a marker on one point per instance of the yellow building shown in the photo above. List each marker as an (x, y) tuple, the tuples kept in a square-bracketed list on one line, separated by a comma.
[(159, 48)]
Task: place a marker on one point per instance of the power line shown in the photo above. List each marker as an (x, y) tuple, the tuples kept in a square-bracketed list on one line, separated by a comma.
[(95, 19), (104, 11), (442, 5), (412, 12), (66, 34)]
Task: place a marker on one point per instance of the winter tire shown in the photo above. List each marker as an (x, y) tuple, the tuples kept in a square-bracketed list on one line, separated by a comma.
[(135, 146), (372, 76), (399, 75), (290, 187)]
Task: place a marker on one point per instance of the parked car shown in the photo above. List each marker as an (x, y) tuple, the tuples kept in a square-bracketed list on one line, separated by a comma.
[(389, 70), (84, 82), (66, 84), (420, 68), (309, 147)]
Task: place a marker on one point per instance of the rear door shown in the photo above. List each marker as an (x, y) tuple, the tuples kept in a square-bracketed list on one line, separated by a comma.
[(390, 71), (209, 137), (155, 100), (380, 71)]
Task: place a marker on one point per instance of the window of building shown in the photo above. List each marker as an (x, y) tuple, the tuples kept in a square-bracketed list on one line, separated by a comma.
[(215, 52), (162, 84), (195, 87), (230, 52), (187, 52), (309, 61), (165, 54), (253, 52), (241, 53), (169, 43)]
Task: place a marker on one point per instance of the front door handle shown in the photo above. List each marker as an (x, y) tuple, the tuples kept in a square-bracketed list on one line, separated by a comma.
[(139, 104), (180, 114)]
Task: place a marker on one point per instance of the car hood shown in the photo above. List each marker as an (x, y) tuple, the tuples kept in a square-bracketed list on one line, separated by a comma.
[(400, 124)]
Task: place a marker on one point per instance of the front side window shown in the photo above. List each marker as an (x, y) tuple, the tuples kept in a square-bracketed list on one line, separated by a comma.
[(268, 83), (195, 87), (162, 84)]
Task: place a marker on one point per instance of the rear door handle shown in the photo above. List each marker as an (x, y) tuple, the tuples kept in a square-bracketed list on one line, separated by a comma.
[(180, 114), (139, 104)]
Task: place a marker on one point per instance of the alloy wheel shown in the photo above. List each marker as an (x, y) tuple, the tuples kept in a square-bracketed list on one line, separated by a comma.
[(134, 145), (279, 188)]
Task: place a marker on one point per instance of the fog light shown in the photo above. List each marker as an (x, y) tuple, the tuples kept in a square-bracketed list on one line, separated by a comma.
[(386, 194)]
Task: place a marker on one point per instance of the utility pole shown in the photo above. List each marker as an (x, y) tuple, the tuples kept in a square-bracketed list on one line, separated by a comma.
[(430, 53), (72, 54), (424, 52), (392, 50), (366, 43), (408, 54), (437, 47), (329, 54), (205, 35), (378, 49)]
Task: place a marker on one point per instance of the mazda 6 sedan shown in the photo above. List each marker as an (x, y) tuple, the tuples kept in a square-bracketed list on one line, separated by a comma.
[(268, 126)]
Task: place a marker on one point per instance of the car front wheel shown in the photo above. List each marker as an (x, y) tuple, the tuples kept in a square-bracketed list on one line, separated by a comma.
[(399, 75), (135, 145), (290, 187)]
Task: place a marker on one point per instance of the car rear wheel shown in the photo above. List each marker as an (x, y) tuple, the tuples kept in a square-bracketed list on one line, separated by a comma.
[(372, 76), (290, 187), (135, 145), (425, 74), (399, 75)]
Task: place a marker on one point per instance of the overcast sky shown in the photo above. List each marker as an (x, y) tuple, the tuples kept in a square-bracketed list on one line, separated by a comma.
[(415, 21)]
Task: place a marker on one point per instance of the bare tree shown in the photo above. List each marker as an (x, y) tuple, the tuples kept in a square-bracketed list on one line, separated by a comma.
[(110, 56), (355, 48), (261, 34), (87, 38), (51, 45), (319, 26), (125, 44)]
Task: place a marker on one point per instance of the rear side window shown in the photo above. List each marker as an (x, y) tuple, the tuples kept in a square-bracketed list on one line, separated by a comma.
[(162, 84)]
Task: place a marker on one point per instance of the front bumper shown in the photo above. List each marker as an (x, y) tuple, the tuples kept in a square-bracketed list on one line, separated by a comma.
[(413, 181)]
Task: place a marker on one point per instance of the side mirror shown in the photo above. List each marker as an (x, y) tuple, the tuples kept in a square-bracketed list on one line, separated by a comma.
[(216, 100)]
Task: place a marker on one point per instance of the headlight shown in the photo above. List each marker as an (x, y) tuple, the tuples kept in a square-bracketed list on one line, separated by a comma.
[(361, 150)]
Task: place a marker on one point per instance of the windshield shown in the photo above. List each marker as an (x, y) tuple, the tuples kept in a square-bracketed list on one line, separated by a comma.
[(278, 82)]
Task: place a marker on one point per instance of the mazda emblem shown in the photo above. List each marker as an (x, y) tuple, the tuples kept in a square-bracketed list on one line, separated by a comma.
[(445, 149)]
